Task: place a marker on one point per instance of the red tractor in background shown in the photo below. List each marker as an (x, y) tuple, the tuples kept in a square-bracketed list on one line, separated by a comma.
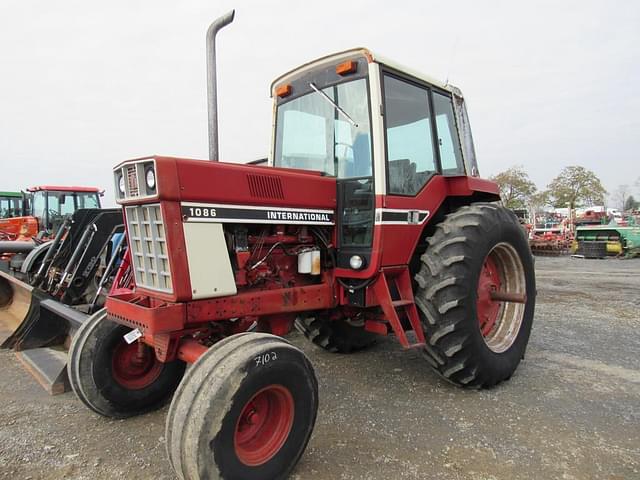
[(43, 208), (370, 219)]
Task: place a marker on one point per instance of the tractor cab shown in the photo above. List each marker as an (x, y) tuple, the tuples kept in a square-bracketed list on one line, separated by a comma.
[(51, 204), (42, 209), (388, 136), (11, 204)]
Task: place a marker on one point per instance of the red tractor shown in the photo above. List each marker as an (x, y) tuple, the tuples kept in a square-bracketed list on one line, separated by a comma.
[(370, 219), (42, 210)]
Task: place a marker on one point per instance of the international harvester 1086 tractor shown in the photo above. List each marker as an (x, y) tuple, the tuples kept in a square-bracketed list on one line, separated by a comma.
[(370, 220)]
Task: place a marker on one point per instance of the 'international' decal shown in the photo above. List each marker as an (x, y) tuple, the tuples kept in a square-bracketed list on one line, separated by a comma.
[(198, 212)]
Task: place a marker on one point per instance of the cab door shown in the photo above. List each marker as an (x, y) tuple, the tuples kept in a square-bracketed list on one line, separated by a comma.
[(422, 147)]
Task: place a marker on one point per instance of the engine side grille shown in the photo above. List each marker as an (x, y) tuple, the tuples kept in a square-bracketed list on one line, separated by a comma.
[(148, 243), (265, 186)]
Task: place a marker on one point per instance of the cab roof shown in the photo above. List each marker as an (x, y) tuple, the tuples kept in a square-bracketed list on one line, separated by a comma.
[(58, 188), (371, 57), (10, 194)]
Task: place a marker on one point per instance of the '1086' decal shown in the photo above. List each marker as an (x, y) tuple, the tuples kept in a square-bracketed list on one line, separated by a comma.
[(202, 212)]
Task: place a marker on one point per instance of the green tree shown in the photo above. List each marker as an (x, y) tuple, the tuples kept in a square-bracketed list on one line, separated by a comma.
[(576, 186), (631, 204), (540, 199), (515, 187)]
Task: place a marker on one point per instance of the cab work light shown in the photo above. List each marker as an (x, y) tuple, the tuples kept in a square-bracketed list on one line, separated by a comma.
[(346, 68)]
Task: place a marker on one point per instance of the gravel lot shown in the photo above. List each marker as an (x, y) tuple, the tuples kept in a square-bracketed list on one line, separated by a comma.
[(571, 411)]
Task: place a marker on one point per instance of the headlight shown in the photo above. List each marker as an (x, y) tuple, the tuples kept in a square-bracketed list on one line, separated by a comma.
[(121, 185), (356, 262), (150, 178)]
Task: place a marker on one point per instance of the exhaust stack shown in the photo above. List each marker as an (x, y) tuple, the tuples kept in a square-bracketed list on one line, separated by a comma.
[(212, 93)]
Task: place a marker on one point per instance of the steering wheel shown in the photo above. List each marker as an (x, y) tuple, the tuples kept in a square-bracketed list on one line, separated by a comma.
[(55, 218)]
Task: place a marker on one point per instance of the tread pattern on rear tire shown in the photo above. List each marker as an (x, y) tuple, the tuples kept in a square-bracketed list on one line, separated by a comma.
[(445, 297), (335, 336)]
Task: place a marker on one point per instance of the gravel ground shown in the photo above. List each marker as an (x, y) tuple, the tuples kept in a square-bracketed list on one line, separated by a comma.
[(571, 411)]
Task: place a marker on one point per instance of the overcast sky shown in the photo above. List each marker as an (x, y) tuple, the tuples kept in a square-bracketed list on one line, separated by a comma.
[(85, 85)]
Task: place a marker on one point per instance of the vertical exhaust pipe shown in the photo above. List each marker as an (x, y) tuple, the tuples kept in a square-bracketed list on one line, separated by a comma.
[(212, 88)]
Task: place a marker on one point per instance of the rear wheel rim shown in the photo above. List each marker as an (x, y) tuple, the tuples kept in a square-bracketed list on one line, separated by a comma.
[(134, 367), (264, 425), (500, 321)]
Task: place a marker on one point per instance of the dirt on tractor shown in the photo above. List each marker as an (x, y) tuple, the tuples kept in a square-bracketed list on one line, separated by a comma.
[(571, 410)]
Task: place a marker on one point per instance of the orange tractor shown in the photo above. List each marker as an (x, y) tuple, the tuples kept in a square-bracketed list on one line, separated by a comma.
[(11, 204), (13, 223), (42, 209), (370, 219)]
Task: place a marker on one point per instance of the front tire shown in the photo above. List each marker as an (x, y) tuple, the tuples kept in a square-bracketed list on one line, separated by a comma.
[(116, 379), (477, 254), (245, 410)]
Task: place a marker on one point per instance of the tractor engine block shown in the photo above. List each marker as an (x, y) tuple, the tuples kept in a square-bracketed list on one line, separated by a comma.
[(268, 257)]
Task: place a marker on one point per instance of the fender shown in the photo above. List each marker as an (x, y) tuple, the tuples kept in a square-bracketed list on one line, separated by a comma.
[(34, 257)]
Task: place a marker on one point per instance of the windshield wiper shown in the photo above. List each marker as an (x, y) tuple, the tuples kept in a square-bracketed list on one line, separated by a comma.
[(328, 99)]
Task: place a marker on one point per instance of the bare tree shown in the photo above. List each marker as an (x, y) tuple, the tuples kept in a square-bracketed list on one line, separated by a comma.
[(620, 196)]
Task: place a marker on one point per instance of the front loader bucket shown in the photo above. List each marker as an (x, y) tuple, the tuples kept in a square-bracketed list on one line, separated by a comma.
[(15, 306), (40, 330)]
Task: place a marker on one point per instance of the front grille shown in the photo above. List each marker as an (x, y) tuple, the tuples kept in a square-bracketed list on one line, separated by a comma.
[(131, 177), (132, 181), (148, 244)]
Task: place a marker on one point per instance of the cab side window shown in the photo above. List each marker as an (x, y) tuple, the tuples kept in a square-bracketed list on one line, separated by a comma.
[(39, 205), (411, 157), (448, 140), (67, 204)]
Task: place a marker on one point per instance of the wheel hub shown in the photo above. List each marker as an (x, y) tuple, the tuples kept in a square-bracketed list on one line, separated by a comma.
[(501, 297), (487, 308), (134, 366), (264, 425)]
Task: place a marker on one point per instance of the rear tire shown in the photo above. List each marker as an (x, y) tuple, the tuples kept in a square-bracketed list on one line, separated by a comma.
[(108, 377), (475, 253), (335, 336), (245, 410)]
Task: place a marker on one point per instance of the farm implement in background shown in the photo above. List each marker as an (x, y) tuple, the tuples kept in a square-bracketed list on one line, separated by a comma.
[(47, 293), (600, 241)]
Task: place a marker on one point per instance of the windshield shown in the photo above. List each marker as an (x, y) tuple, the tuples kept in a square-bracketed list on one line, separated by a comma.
[(312, 134), (10, 206), (64, 203), (58, 203)]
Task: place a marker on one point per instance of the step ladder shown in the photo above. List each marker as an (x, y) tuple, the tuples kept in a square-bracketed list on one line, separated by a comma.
[(400, 278)]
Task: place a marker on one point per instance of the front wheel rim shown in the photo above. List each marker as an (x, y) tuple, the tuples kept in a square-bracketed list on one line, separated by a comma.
[(134, 366), (502, 275), (264, 425)]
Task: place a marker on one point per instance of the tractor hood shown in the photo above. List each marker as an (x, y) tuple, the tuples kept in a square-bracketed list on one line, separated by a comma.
[(222, 183)]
